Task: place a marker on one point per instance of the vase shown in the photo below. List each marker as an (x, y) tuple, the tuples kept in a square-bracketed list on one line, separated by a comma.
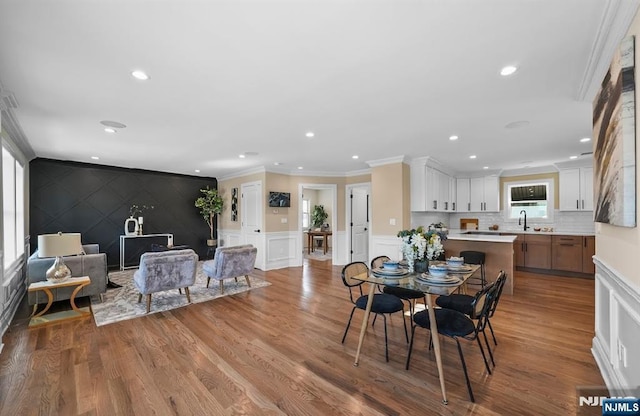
[(131, 226), (421, 266)]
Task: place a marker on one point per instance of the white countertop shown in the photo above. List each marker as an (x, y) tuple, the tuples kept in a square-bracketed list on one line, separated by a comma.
[(491, 232), (490, 238)]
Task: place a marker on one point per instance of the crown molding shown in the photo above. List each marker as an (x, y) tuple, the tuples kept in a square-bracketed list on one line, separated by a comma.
[(614, 25), (245, 172), (388, 161)]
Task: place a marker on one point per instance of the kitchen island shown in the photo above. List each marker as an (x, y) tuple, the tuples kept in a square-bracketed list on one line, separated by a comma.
[(499, 251)]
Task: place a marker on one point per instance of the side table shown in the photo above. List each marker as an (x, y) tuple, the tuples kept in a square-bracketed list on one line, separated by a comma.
[(40, 318)]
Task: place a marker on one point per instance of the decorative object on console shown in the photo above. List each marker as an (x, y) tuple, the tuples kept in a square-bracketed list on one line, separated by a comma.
[(210, 204), (614, 149), (419, 245), (58, 245), (133, 225)]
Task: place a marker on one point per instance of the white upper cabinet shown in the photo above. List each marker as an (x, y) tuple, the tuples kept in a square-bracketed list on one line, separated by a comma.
[(463, 196), (484, 194), (431, 189), (576, 189)]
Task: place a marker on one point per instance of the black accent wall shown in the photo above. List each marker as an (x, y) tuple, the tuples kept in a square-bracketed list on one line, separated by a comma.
[(94, 200)]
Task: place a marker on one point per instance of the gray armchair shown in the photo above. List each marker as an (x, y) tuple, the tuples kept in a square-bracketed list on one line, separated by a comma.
[(165, 270), (230, 262), (92, 264)]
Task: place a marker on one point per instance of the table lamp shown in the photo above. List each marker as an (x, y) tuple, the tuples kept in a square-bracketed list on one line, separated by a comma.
[(58, 245)]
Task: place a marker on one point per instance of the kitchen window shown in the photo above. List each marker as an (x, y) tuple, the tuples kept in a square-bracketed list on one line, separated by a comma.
[(534, 197)]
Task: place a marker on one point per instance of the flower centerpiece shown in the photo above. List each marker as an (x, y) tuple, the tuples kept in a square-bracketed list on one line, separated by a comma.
[(420, 246)]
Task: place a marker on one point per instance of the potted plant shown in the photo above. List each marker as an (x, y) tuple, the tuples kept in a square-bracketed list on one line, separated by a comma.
[(210, 204), (318, 216)]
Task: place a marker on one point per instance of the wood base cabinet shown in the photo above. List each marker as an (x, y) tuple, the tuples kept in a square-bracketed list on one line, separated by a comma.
[(588, 251), (566, 253)]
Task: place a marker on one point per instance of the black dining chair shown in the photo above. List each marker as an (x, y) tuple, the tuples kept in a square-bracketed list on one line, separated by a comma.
[(476, 257), (464, 303), (383, 303), (409, 295), (456, 325)]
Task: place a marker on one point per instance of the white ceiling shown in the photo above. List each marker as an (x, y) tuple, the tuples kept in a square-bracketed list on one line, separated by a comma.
[(376, 79)]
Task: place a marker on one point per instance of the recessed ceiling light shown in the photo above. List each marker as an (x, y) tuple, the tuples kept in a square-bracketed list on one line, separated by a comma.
[(141, 75), (354, 157), (517, 124), (197, 170), (472, 157), (508, 70), (300, 167), (310, 134), (277, 163), (454, 137), (241, 156), (114, 124), (95, 158), (485, 167), (573, 157), (585, 139), (110, 130)]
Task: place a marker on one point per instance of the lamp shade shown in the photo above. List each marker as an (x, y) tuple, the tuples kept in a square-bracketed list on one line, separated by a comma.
[(54, 245)]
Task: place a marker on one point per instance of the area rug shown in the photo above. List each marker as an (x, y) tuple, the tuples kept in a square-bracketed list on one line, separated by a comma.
[(122, 303), (317, 255)]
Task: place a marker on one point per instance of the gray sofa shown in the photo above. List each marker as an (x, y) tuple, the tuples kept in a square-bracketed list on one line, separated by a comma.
[(92, 264), (165, 270)]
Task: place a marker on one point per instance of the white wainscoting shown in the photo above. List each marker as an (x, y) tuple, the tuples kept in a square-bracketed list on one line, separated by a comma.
[(284, 248), (385, 245), (12, 290), (617, 325)]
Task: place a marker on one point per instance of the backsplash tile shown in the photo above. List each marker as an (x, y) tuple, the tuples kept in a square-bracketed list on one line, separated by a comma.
[(564, 221)]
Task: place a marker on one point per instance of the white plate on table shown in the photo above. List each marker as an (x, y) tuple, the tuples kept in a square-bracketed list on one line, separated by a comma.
[(389, 273), (459, 269), (445, 281)]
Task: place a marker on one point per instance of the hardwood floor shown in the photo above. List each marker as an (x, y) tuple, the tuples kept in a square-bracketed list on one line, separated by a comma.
[(277, 350)]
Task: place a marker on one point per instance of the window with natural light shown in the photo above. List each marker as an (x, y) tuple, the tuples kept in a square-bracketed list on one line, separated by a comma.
[(305, 213), (533, 198), (12, 208)]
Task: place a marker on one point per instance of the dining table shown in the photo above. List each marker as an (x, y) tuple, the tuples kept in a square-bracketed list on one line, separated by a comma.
[(429, 286)]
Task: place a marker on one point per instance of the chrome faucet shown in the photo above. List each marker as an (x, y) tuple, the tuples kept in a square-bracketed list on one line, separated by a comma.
[(525, 220)]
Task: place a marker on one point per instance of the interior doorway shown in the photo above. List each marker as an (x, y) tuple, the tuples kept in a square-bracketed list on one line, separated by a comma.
[(358, 227), (323, 247)]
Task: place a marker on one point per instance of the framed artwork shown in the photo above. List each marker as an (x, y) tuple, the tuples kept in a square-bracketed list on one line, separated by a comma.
[(615, 136), (234, 204)]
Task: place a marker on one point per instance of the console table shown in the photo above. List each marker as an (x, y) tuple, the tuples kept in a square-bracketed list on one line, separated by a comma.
[(323, 234), (40, 318), (132, 246)]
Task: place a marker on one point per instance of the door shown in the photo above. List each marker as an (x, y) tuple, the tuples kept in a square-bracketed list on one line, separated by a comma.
[(251, 214), (360, 224)]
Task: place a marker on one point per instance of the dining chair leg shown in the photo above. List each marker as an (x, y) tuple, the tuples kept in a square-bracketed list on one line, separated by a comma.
[(404, 322), (413, 331), (484, 357), (486, 341), (464, 368), (386, 344), (348, 324), (492, 334), (373, 322)]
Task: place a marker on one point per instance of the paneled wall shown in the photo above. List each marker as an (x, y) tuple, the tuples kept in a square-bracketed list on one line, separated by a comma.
[(94, 200)]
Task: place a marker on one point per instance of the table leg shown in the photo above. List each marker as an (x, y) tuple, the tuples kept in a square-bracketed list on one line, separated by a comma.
[(46, 308), (309, 243), (72, 300), (365, 321), (436, 346), (325, 244)]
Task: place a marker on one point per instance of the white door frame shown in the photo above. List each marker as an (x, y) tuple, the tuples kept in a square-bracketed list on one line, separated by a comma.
[(334, 209), (255, 237), (347, 207)]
